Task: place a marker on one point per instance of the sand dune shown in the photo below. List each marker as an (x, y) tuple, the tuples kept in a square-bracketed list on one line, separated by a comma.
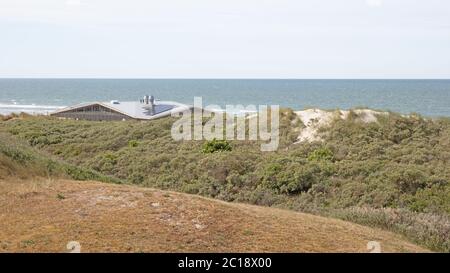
[(314, 119)]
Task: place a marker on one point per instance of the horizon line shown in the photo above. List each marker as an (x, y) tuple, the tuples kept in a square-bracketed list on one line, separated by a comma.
[(181, 78)]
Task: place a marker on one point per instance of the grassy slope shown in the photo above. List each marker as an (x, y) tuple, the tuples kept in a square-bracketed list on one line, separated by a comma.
[(44, 215), (392, 175), (19, 160)]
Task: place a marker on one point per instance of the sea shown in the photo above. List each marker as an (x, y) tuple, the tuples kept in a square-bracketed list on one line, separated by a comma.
[(42, 96)]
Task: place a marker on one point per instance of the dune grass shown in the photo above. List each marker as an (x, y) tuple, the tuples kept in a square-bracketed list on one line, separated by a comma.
[(43, 216)]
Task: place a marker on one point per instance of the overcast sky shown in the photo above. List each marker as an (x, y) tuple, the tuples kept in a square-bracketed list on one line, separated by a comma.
[(225, 38)]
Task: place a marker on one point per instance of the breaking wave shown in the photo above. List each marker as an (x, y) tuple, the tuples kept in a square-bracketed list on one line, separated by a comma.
[(34, 109)]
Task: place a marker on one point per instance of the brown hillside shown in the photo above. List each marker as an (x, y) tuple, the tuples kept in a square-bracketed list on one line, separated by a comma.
[(44, 215)]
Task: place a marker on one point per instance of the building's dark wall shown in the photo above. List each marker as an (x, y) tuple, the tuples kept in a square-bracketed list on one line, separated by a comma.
[(92, 112)]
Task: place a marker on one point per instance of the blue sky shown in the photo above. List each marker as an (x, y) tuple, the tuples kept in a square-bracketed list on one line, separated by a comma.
[(225, 39)]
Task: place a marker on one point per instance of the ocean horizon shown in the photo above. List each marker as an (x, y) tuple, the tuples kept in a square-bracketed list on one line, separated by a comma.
[(426, 97)]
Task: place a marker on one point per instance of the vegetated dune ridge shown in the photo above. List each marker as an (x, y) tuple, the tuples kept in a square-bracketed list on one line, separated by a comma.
[(43, 215), (314, 119), (390, 174)]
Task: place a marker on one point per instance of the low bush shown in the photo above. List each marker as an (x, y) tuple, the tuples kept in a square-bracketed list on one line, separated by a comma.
[(215, 145), (322, 153)]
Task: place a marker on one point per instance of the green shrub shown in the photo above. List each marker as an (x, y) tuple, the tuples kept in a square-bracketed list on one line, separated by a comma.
[(321, 154), (133, 143), (407, 180), (137, 178), (290, 178), (215, 145), (17, 154), (32, 162), (430, 200)]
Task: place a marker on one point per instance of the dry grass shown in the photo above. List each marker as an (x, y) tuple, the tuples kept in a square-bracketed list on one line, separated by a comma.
[(42, 215)]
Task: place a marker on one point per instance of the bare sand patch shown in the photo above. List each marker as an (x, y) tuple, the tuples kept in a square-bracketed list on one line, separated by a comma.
[(314, 119)]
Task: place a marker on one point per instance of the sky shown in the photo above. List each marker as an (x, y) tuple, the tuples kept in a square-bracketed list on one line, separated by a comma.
[(225, 39)]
